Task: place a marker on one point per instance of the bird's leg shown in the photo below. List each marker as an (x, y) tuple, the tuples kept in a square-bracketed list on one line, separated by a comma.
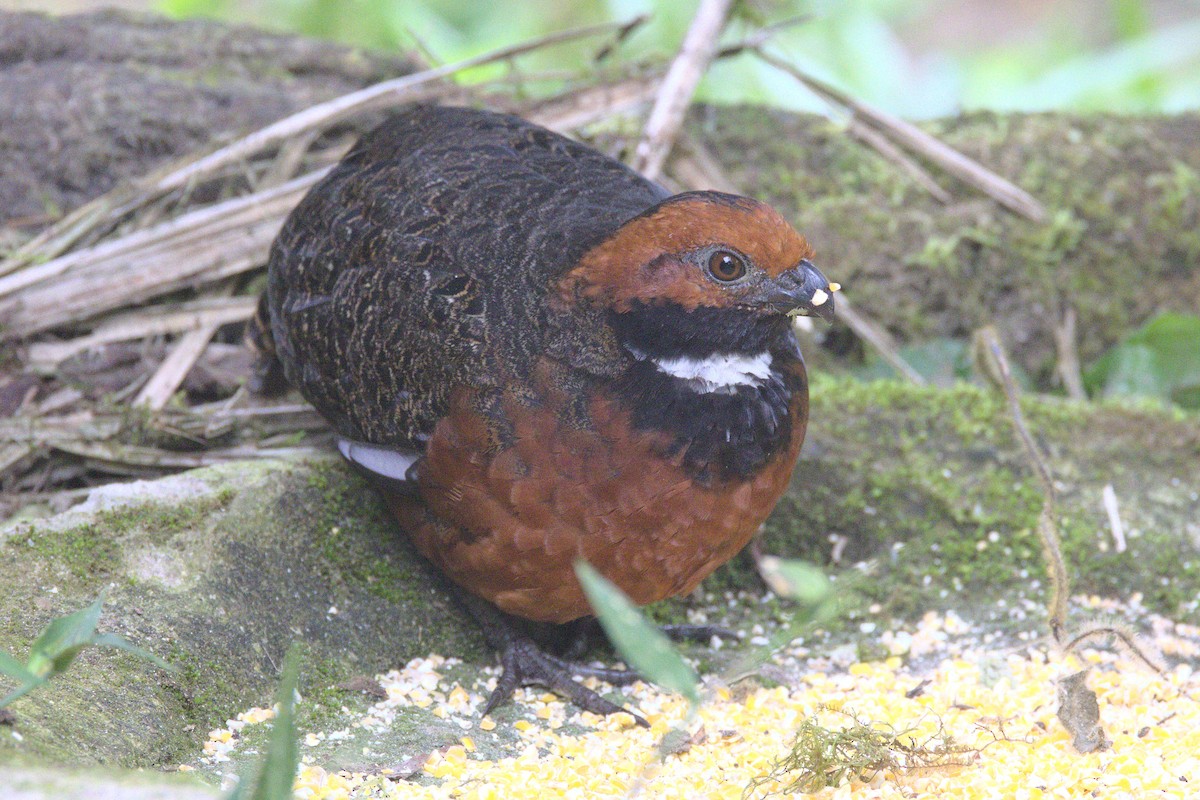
[(524, 663)]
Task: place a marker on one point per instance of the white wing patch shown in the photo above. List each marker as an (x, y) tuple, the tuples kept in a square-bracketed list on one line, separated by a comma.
[(381, 460), (720, 372)]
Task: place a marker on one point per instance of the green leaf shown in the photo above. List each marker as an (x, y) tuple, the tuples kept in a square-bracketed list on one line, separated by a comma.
[(62, 640), (277, 773), (15, 669), (58, 646), (640, 643), (1161, 360), (119, 642), (21, 691), (795, 580)]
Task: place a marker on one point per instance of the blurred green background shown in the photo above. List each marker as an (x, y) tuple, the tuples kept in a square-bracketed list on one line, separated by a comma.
[(918, 58)]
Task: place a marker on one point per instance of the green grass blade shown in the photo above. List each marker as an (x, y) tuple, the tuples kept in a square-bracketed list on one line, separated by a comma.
[(15, 669), (277, 774), (795, 580), (119, 642), (640, 643), (21, 691), (62, 640)]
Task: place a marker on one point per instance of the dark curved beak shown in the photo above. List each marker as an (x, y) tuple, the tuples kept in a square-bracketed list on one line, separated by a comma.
[(801, 291)]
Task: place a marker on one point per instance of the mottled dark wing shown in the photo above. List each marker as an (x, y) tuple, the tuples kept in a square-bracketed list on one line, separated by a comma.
[(422, 261), (369, 333)]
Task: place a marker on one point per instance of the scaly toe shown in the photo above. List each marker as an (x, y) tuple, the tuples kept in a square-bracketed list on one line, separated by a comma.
[(524, 664)]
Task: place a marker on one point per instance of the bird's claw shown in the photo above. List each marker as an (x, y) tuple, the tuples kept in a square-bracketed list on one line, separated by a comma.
[(524, 664)]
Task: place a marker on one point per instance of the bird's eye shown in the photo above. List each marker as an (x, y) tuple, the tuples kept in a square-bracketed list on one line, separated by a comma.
[(726, 266)]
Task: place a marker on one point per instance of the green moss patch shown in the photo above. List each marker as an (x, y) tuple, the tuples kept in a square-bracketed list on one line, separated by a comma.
[(931, 491)]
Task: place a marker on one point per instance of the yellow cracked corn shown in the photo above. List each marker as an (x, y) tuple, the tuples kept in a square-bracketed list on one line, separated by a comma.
[(999, 705)]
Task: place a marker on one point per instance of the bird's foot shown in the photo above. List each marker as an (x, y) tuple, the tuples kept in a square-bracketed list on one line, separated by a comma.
[(524, 664), (697, 633)]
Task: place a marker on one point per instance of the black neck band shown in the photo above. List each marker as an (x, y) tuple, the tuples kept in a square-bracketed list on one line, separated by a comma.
[(723, 435), (670, 331)]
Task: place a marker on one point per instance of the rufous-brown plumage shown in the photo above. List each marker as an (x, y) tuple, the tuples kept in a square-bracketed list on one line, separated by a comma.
[(540, 356)]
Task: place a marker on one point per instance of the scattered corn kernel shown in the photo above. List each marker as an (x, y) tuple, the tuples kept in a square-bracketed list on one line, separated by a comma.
[(999, 704)]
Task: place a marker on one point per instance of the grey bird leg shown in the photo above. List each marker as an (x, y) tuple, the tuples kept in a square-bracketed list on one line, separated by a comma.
[(524, 663)]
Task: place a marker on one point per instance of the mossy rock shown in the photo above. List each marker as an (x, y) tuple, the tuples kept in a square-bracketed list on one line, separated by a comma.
[(933, 489), (218, 570), (31, 783)]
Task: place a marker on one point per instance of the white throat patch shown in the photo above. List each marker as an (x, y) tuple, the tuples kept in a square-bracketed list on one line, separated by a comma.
[(721, 372)]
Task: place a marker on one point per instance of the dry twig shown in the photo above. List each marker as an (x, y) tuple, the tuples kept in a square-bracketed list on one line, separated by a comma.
[(882, 145), (699, 47), (965, 169), (124, 459), (200, 247), (996, 361), (873, 334), (175, 367), (1060, 587), (761, 35), (171, 318), (1068, 356), (698, 168), (1113, 510), (572, 110), (381, 95)]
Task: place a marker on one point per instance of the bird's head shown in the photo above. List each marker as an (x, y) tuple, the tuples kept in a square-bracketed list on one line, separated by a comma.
[(705, 250), (699, 273)]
